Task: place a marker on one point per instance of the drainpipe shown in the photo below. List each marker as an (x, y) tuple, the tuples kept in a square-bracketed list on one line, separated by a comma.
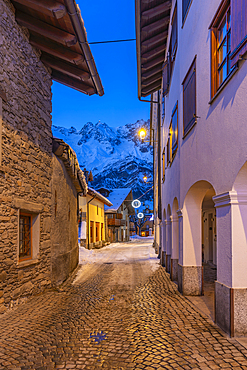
[(78, 24), (88, 228), (159, 162)]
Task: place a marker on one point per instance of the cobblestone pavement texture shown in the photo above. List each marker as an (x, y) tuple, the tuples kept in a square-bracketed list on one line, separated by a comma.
[(121, 312)]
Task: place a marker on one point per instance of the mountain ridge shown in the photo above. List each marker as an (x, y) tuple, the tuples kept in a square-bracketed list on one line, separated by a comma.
[(116, 156)]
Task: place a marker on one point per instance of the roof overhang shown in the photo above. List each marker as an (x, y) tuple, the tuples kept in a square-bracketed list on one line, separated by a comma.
[(99, 196), (56, 28), (152, 22)]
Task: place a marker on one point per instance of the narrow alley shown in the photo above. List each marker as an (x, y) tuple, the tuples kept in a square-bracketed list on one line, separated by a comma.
[(120, 311)]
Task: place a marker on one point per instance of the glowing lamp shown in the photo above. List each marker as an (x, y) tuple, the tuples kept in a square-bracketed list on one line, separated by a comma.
[(142, 133), (145, 178)]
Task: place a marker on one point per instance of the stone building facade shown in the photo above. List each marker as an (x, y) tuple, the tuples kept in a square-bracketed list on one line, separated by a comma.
[(67, 182), (26, 158)]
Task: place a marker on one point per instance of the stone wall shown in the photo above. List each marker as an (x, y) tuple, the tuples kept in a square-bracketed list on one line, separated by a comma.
[(26, 168), (64, 233)]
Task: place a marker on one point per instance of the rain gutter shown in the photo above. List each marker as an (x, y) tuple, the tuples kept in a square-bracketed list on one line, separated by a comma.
[(78, 24)]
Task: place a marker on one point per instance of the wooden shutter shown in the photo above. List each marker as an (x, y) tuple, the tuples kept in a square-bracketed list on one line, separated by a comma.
[(189, 98), (165, 76), (239, 29)]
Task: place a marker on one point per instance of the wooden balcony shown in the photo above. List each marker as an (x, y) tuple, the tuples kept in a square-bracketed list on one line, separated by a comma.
[(114, 222)]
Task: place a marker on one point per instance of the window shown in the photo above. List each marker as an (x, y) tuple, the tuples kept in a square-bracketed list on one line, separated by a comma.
[(163, 164), (173, 40), (97, 231), (189, 98), (185, 8), (25, 236), (238, 31), (220, 46), (91, 231), (174, 130), (168, 148)]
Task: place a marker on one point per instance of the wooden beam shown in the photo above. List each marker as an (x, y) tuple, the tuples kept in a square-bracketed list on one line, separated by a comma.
[(73, 83), (64, 67), (57, 50), (48, 7), (154, 52), (157, 10), (152, 72), (151, 42), (152, 79), (45, 29), (152, 63), (152, 27), (151, 88)]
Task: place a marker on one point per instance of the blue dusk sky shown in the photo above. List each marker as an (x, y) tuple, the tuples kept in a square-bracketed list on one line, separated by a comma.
[(116, 64)]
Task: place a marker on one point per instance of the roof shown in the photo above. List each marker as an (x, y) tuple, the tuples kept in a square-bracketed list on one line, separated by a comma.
[(68, 156), (152, 22), (117, 197), (56, 28), (99, 196)]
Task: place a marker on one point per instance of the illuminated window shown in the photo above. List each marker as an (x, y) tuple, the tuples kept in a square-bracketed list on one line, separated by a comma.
[(163, 165), (174, 130), (220, 46)]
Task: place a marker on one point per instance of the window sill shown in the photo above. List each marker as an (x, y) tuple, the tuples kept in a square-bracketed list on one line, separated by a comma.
[(232, 73), (189, 129), (22, 264)]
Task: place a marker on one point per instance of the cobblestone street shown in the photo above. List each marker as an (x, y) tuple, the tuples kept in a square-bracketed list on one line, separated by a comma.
[(120, 312)]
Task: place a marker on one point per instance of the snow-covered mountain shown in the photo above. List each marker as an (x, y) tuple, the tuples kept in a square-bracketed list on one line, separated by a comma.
[(116, 156)]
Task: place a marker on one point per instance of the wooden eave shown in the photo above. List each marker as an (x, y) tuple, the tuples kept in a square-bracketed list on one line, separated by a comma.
[(57, 33), (152, 22)]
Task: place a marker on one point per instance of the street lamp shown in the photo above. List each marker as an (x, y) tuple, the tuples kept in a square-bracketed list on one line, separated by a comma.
[(143, 133), (145, 180)]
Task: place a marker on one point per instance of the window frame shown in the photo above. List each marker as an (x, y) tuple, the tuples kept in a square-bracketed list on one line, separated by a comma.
[(24, 215), (91, 235), (220, 15), (174, 147), (173, 44), (163, 164), (185, 11)]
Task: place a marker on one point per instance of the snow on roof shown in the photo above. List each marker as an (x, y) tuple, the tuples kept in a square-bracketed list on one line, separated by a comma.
[(99, 196), (117, 197)]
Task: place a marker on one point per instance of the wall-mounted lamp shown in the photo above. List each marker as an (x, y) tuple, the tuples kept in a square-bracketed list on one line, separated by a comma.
[(143, 133)]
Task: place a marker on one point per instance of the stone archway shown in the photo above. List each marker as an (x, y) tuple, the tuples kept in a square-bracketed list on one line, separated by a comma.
[(231, 284), (190, 273)]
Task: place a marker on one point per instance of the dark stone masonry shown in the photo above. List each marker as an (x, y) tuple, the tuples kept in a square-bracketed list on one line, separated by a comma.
[(25, 161)]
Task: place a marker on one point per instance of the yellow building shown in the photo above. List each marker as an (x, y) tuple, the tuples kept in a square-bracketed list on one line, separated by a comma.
[(92, 233)]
